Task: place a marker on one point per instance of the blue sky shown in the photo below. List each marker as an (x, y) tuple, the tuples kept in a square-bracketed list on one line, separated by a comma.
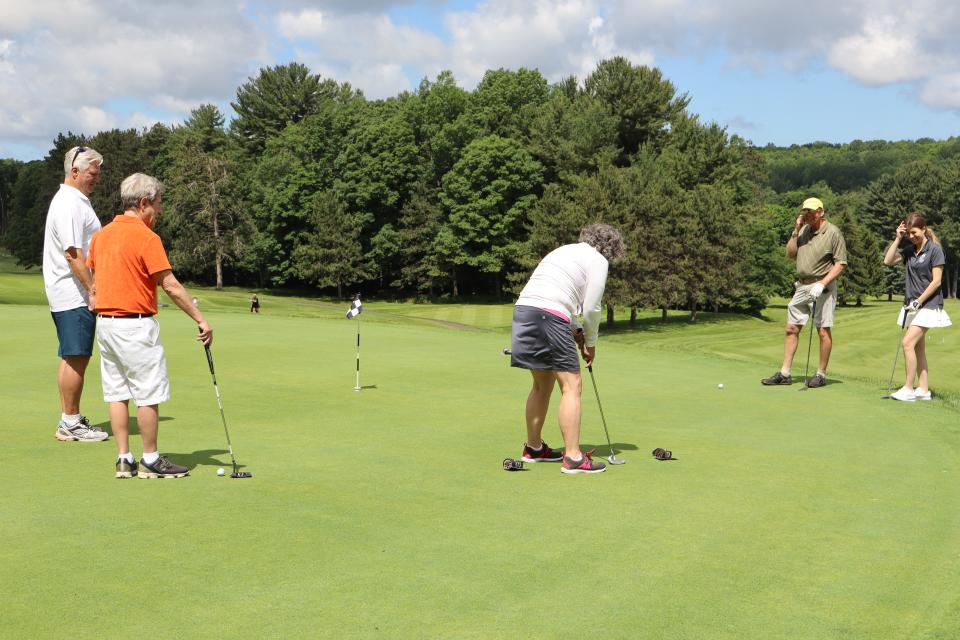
[(782, 73)]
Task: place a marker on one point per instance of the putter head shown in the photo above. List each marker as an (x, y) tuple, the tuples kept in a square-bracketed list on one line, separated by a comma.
[(613, 459), (241, 474)]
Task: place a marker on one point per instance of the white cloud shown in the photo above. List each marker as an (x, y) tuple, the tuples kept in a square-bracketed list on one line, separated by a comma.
[(94, 119), (305, 24), (882, 52), (942, 92), (558, 38)]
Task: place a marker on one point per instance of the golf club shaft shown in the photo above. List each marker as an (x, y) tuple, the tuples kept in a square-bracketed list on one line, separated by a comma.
[(806, 369), (600, 406), (896, 354), (223, 418)]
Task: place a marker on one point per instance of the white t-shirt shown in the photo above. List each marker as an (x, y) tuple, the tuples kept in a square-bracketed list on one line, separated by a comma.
[(71, 222), (569, 279)]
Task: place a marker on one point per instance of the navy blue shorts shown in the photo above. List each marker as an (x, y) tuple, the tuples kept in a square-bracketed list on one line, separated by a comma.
[(75, 331), (542, 341)]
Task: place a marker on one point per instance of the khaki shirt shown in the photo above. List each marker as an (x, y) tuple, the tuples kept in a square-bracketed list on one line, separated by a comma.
[(818, 251)]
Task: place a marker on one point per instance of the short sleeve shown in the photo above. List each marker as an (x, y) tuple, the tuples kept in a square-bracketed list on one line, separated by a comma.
[(937, 257), (154, 256), (839, 248), (91, 260)]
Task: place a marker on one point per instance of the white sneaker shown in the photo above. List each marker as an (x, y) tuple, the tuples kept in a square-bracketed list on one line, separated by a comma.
[(903, 394), (922, 395), (81, 432)]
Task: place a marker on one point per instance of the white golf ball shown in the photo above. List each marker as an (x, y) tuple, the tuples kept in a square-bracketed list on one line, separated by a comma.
[(720, 386), (220, 471)]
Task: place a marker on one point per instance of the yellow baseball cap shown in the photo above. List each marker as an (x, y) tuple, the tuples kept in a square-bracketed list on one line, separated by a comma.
[(812, 203)]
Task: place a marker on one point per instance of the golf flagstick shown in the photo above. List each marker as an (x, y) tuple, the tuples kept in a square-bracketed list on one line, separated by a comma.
[(356, 308), (896, 356), (357, 387)]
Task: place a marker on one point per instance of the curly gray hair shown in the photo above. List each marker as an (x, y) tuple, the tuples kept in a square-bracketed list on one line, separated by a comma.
[(605, 239)]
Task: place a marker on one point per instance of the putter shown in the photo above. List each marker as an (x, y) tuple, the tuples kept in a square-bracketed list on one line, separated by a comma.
[(612, 458), (236, 472), (896, 356), (806, 369)]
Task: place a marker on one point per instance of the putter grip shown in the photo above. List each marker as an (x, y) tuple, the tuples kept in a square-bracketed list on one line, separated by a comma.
[(209, 359), (206, 349)]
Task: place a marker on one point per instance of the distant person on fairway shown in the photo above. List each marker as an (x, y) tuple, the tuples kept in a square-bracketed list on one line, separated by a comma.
[(128, 262), (71, 222), (546, 335), (922, 301), (821, 254), (254, 304)]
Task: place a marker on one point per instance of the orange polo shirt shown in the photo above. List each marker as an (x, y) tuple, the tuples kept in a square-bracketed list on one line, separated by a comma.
[(125, 256)]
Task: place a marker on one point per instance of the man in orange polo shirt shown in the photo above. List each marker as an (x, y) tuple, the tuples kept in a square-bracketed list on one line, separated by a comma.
[(128, 262)]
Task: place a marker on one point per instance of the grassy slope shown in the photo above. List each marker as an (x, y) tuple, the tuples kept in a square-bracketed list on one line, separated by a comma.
[(383, 513)]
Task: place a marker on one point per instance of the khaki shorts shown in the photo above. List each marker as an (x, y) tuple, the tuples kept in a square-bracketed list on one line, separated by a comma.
[(798, 309), (132, 363)]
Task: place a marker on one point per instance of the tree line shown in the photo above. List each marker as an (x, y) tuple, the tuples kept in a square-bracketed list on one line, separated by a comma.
[(443, 193)]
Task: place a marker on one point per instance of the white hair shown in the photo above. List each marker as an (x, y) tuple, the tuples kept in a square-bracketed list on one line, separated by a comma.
[(139, 186), (80, 157)]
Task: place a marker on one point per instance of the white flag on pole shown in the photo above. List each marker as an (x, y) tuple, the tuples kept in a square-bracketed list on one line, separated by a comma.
[(356, 308)]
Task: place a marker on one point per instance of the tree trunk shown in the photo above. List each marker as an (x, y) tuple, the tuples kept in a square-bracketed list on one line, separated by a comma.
[(218, 253), (956, 281), (663, 313), (339, 291), (456, 291), (610, 316), (633, 314)]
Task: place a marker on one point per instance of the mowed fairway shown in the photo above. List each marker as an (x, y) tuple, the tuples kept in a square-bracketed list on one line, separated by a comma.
[(385, 513)]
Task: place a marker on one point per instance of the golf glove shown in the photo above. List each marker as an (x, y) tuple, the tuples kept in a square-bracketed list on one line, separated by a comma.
[(816, 291), (914, 305)]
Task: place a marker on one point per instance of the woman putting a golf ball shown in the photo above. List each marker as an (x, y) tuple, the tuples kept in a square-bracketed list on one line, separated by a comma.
[(568, 281)]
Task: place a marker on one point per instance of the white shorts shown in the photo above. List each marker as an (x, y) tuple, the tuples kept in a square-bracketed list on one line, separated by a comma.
[(132, 364), (928, 318)]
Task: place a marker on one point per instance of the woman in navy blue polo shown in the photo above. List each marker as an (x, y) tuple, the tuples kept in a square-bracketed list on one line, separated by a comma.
[(922, 302)]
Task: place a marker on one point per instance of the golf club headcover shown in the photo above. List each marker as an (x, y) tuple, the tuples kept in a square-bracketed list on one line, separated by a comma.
[(662, 454), (509, 464)]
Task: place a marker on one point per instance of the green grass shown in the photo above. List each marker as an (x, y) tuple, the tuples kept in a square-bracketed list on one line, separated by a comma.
[(384, 513)]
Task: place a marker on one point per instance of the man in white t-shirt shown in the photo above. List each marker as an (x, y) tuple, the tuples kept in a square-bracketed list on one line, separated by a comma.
[(71, 222)]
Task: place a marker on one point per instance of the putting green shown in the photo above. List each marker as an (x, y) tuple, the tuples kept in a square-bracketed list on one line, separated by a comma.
[(385, 513)]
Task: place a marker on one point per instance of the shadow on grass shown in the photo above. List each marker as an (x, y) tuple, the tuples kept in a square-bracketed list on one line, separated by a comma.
[(132, 426), (654, 324), (202, 458), (604, 451)]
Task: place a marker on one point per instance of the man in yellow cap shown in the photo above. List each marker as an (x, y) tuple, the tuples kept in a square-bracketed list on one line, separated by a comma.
[(821, 254)]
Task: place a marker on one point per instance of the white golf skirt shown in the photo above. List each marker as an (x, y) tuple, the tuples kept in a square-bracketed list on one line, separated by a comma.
[(929, 318)]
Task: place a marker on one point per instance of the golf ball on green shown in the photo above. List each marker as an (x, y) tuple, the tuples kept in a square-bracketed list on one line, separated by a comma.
[(720, 386), (220, 471)]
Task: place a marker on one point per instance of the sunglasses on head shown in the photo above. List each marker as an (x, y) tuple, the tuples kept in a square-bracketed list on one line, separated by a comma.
[(78, 152)]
